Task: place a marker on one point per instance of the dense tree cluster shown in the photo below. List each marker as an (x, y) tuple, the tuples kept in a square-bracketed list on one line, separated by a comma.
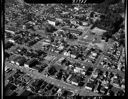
[(111, 18), (119, 37), (117, 8), (110, 22)]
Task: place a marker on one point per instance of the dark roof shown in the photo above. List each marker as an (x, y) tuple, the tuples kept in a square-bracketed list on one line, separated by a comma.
[(75, 78), (37, 83), (8, 45), (35, 67), (30, 43), (90, 84), (32, 62), (21, 60), (16, 58), (67, 93), (52, 70), (6, 55)]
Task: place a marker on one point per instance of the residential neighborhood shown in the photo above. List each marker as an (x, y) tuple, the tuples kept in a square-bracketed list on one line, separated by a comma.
[(64, 50)]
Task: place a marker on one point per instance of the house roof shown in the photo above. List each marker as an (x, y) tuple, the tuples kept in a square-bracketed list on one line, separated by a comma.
[(51, 22), (21, 60)]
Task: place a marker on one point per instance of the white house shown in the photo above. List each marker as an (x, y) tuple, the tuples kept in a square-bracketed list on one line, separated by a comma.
[(51, 22)]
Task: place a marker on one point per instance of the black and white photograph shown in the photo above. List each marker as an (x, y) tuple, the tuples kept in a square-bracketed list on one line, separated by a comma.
[(64, 49)]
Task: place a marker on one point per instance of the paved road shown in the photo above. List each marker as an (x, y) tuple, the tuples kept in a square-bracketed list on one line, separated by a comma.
[(71, 59), (58, 83), (110, 70)]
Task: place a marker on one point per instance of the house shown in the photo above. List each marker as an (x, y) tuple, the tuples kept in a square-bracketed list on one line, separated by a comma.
[(45, 43), (91, 84), (103, 90), (60, 47), (14, 59), (74, 83), (36, 68), (73, 56), (75, 79), (77, 69), (61, 59), (94, 54), (20, 61), (85, 23), (11, 40), (6, 68), (52, 70), (59, 19), (73, 22), (49, 57), (51, 22), (59, 91), (31, 63), (76, 33), (66, 53), (81, 27), (65, 12)]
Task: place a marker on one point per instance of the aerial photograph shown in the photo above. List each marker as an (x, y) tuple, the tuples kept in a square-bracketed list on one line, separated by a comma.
[(65, 50)]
